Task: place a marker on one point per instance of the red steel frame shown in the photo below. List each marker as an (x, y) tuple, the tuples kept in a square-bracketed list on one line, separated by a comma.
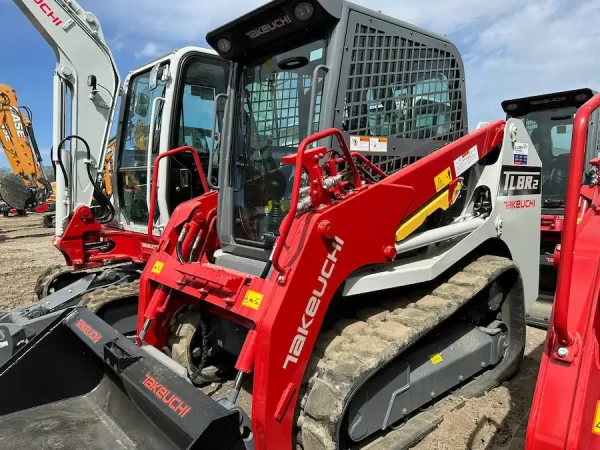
[(84, 232), (316, 252), (566, 406)]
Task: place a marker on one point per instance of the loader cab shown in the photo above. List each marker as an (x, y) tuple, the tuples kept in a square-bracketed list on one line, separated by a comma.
[(168, 103), (549, 120), (396, 92)]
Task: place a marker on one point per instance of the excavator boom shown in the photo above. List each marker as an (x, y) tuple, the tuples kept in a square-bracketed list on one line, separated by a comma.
[(86, 69)]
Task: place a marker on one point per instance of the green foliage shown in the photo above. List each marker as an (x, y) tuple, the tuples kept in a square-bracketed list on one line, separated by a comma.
[(48, 170)]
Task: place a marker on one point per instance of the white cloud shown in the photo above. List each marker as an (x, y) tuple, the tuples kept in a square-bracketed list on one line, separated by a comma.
[(149, 51), (116, 44), (510, 48), (543, 46)]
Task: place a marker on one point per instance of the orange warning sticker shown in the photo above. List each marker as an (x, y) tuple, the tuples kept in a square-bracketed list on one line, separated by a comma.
[(360, 144), (443, 179)]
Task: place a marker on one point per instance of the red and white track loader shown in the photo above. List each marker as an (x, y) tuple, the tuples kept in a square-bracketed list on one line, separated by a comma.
[(565, 413), (321, 289)]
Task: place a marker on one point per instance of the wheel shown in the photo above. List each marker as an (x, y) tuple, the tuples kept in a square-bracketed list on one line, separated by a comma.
[(188, 345), (49, 221)]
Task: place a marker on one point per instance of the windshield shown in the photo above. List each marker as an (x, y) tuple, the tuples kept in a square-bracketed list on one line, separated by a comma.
[(551, 133), (195, 124), (134, 146), (272, 119)]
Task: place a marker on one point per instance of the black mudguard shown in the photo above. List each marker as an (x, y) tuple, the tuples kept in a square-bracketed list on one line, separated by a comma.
[(82, 385)]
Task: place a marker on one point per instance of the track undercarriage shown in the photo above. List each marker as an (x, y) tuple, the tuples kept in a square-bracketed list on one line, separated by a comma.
[(368, 386)]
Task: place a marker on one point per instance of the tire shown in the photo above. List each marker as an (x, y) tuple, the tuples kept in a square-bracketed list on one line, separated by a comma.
[(49, 221)]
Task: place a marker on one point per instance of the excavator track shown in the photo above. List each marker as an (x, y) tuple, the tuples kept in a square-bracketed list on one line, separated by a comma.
[(44, 283), (355, 349), (102, 296), (48, 276)]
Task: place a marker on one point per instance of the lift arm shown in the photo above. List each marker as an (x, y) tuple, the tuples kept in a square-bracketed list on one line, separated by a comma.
[(86, 85)]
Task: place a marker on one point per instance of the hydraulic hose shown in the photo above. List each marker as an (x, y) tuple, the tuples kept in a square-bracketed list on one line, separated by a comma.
[(107, 210)]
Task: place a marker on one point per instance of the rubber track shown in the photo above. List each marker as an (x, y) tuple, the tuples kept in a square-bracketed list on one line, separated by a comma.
[(46, 277), (44, 280), (102, 296), (355, 349), (51, 273)]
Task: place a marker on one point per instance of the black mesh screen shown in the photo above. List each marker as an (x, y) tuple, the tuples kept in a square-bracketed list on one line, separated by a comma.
[(400, 87)]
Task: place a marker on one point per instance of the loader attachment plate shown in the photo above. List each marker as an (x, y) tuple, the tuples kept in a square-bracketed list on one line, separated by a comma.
[(81, 384)]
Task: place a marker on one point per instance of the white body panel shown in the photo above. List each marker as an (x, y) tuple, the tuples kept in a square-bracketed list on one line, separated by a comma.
[(77, 39), (516, 225)]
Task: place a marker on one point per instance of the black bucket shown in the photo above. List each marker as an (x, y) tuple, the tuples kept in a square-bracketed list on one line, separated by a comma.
[(81, 385), (14, 192)]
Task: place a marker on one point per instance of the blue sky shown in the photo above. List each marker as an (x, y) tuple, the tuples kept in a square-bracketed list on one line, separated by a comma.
[(510, 48)]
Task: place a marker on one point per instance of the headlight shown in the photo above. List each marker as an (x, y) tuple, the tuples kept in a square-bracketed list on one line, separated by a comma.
[(304, 11), (224, 45)]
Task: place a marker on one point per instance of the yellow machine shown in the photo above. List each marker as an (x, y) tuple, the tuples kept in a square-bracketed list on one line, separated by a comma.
[(28, 186), (109, 165)]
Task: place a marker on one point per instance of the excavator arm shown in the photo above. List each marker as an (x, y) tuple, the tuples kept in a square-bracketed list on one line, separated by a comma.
[(86, 86), (28, 185)]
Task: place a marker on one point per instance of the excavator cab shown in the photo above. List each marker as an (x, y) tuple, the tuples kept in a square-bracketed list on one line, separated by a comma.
[(549, 121), (169, 103)]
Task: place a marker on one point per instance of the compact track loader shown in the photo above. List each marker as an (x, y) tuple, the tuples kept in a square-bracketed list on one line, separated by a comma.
[(341, 292), (549, 119), (569, 371)]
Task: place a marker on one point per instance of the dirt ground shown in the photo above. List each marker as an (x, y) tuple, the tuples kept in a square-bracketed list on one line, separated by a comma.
[(485, 423), (25, 250)]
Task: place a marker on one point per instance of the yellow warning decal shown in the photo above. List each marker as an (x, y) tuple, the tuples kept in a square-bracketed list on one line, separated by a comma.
[(158, 267), (596, 424), (436, 359), (443, 179), (252, 299)]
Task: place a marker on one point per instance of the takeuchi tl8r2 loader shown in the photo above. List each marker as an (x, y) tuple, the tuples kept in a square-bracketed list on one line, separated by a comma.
[(173, 101), (356, 313), (568, 376), (549, 121)]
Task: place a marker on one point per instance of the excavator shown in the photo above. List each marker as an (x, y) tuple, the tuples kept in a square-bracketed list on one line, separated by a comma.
[(27, 187), (549, 121), (319, 291), (175, 100)]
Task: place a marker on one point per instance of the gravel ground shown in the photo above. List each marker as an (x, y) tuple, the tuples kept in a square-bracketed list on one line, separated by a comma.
[(485, 423), (25, 250)]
